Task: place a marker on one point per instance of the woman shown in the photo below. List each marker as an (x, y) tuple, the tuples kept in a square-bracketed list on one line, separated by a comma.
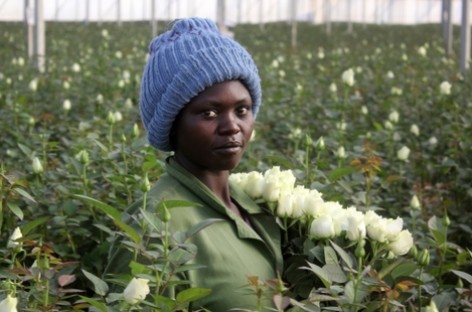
[(200, 94)]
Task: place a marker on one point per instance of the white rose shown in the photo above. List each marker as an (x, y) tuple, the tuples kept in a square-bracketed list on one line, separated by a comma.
[(322, 227), (388, 125), (445, 88), (341, 152), (66, 105), (255, 184), (348, 77), (433, 141), (394, 116), (392, 228), (118, 116), (76, 67), (33, 85), (390, 75), (9, 304), (432, 307), (422, 51), (333, 88), (299, 196), (356, 228), (128, 103), (403, 153), (402, 244), (313, 206), (37, 166), (13, 242), (136, 290), (415, 130), (415, 203), (364, 110), (99, 98), (376, 230), (285, 205)]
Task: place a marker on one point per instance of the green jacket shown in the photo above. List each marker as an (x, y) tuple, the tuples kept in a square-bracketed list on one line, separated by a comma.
[(230, 249)]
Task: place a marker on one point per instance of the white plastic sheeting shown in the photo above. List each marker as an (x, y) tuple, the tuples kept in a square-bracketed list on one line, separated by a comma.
[(245, 11)]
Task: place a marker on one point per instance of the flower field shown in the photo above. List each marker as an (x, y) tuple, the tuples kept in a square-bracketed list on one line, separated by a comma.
[(371, 133)]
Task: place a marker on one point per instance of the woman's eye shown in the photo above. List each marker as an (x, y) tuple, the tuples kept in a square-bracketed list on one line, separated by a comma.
[(243, 110), (209, 113)]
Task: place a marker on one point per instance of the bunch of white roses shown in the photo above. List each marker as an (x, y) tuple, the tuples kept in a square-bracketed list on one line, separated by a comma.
[(322, 219)]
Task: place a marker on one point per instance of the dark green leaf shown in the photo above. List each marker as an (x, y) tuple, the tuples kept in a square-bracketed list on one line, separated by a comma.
[(15, 210), (192, 294), (33, 224), (99, 286)]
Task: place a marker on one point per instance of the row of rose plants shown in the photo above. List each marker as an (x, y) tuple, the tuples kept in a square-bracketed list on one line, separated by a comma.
[(373, 209)]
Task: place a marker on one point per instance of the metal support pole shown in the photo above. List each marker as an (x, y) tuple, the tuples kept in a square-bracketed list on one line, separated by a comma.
[(293, 13), (87, 11), (447, 26), (349, 16), (39, 37), (328, 16), (465, 36), (118, 12), (153, 19), (29, 22), (220, 15), (261, 14)]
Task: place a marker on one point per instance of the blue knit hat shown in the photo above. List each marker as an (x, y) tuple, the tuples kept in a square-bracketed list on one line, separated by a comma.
[(183, 62)]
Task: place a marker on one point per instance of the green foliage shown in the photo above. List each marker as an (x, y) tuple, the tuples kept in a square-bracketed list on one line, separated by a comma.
[(93, 161)]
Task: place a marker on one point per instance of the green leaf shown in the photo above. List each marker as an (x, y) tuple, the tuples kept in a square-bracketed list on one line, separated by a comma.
[(192, 294), (330, 255), (152, 220), (404, 269), (100, 306), (463, 275), (344, 255), (200, 226), (33, 224), (322, 274), (15, 210), (114, 214), (437, 229), (335, 272), (385, 271), (338, 173), (109, 210), (24, 194), (25, 149), (99, 286)]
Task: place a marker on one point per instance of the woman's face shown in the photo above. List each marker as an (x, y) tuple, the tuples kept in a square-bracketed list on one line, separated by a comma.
[(214, 128)]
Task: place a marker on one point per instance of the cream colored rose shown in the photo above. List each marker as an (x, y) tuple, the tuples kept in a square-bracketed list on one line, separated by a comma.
[(356, 228), (394, 116), (285, 205), (402, 244), (403, 153), (136, 290), (415, 203), (254, 184), (348, 77), (445, 88), (37, 166), (415, 130), (9, 304), (13, 242), (322, 227)]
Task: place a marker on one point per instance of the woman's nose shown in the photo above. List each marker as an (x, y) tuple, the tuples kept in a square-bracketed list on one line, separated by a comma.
[(228, 124)]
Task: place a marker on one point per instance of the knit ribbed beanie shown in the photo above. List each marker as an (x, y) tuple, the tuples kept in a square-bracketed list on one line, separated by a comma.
[(183, 61)]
